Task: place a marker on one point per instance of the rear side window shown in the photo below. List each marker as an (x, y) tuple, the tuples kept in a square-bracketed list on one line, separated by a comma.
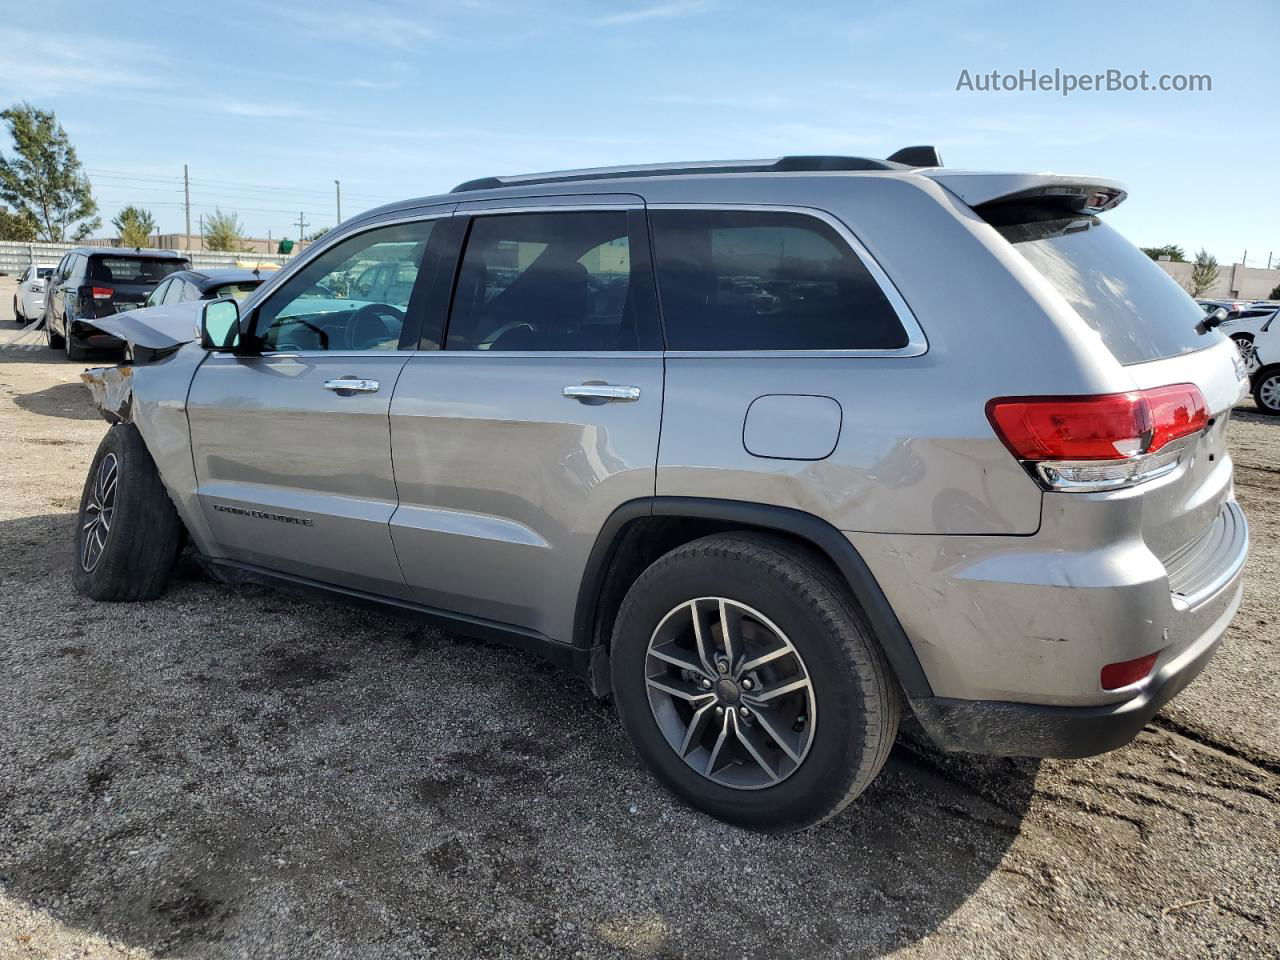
[(1137, 309), (132, 269), (751, 280), (570, 281)]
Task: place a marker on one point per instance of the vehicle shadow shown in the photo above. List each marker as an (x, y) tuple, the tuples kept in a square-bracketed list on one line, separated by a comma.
[(236, 771)]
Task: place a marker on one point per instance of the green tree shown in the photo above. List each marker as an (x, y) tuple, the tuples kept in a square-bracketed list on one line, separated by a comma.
[(223, 231), (315, 235), (1204, 273), (42, 180), (16, 226), (1170, 250), (1275, 293), (135, 226)]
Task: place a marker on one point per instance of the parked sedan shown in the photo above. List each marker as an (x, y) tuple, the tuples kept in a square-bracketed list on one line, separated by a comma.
[(28, 299), (173, 304)]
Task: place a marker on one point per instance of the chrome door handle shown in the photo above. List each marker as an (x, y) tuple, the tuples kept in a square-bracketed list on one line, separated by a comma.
[(594, 392), (352, 385)]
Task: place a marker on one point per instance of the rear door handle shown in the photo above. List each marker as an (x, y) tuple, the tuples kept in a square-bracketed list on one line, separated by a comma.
[(594, 392), (350, 385)]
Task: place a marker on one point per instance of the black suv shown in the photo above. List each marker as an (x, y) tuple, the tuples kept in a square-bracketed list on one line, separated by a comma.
[(94, 282)]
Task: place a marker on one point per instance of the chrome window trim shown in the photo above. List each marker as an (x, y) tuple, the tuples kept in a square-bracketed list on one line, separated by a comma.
[(917, 344), (466, 210)]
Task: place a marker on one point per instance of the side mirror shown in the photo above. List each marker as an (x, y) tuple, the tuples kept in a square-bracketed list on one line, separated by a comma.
[(220, 324), (1216, 318)]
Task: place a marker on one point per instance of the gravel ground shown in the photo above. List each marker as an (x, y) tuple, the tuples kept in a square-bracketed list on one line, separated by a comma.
[(236, 772)]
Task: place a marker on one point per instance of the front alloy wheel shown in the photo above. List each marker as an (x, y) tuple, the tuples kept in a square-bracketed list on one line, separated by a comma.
[(99, 511), (1267, 392), (730, 693)]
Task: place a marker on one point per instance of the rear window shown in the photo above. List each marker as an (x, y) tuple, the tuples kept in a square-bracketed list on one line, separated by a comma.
[(1137, 309), (756, 280), (133, 269), (237, 290)]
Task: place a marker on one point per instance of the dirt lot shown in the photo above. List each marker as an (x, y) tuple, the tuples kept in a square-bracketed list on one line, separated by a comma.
[(235, 772)]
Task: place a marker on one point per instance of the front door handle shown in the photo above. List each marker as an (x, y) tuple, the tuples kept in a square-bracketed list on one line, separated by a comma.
[(346, 386), (595, 392)]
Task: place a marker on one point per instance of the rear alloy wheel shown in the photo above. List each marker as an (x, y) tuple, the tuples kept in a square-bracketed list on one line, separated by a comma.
[(730, 693), (750, 683), (1248, 354), (1266, 390)]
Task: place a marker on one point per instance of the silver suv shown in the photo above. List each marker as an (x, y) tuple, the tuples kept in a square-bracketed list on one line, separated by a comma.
[(760, 449)]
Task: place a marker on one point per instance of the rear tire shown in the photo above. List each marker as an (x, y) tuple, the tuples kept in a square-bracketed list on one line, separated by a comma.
[(1266, 389), (51, 339), (128, 534), (75, 352), (839, 722)]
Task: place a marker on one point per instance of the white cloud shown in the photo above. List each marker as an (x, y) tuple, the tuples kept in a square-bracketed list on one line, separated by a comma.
[(41, 64), (661, 11)]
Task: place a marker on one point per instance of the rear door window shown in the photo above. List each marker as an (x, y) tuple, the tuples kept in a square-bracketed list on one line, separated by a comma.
[(570, 281), (108, 269), (759, 280), (1137, 309)]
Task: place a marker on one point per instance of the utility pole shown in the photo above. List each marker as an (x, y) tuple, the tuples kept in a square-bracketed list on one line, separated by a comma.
[(302, 225), (186, 202), (202, 231), (338, 189)]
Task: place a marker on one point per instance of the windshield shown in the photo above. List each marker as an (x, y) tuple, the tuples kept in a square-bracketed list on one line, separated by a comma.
[(147, 270), (44, 273), (1137, 309)]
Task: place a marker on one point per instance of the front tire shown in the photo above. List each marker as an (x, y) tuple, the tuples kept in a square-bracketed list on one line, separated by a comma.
[(750, 682), (128, 534), (1266, 389), (17, 313)]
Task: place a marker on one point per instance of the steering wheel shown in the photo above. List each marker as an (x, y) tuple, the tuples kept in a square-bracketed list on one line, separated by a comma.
[(494, 335), (372, 324)]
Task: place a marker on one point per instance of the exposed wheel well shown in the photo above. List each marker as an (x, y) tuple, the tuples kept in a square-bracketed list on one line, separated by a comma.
[(641, 532)]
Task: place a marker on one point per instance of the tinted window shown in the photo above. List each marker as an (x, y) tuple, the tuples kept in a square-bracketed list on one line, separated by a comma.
[(325, 305), (158, 294), (1137, 309), (44, 272), (747, 280), (176, 293), (105, 269), (554, 281), (237, 290)]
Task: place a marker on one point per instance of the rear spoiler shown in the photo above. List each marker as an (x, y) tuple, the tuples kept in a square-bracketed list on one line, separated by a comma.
[(1074, 193)]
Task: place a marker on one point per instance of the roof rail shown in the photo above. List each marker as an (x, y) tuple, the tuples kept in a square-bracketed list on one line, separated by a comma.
[(907, 157)]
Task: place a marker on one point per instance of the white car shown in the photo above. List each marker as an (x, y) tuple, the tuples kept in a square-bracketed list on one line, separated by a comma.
[(1264, 372), (28, 299)]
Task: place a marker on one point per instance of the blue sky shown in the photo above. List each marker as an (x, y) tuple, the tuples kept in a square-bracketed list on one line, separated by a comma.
[(269, 102)]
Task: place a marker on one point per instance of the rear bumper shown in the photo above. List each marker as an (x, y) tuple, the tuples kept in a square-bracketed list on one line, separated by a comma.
[(83, 333), (1039, 730)]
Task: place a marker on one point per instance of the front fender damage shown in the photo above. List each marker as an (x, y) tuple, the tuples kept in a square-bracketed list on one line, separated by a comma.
[(112, 390)]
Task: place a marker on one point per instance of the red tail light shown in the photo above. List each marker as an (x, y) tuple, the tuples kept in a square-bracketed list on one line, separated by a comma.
[(1058, 433), (103, 293), (1117, 675)]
